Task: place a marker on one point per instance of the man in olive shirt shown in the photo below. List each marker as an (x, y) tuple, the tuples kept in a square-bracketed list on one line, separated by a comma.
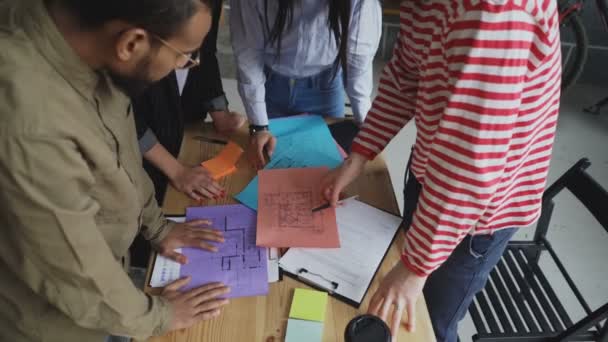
[(73, 192)]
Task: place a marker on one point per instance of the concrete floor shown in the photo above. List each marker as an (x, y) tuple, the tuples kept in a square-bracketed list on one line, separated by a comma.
[(577, 237)]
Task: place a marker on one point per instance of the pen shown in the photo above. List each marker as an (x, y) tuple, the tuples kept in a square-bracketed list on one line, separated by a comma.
[(327, 205), (210, 140)]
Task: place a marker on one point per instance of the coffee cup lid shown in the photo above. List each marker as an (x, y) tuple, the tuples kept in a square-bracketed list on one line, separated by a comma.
[(367, 328)]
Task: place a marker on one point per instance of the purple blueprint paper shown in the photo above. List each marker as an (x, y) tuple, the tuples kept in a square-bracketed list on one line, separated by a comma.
[(239, 263)]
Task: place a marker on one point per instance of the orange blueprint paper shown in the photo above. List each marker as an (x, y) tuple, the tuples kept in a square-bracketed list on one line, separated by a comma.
[(285, 203), (225, 162)]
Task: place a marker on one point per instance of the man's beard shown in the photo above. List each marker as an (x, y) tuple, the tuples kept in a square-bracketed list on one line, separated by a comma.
[(136, 84)]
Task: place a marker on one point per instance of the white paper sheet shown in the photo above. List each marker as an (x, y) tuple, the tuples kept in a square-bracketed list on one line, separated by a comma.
[(165, 270), (176, 219), (365, 234), (273, 265)]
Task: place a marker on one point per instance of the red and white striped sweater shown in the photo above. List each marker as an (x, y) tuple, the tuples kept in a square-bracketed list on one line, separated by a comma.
[(481, 79)]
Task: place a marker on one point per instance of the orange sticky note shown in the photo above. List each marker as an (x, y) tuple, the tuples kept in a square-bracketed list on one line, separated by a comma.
[(285, 216), (225, 162)]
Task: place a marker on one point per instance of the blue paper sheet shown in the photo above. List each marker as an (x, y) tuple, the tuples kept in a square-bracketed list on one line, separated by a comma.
[(302, 141), (285, 126)]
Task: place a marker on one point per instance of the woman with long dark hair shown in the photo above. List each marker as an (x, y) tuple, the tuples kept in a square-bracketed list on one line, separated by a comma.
[(300, 56)]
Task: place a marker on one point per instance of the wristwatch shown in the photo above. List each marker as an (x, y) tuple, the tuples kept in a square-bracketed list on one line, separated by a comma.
[(253, 129)]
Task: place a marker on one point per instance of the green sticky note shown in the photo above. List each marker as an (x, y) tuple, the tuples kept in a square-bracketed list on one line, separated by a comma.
[(309, 305)]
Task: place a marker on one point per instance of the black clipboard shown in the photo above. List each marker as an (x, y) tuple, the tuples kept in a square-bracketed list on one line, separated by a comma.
[(334, 285)]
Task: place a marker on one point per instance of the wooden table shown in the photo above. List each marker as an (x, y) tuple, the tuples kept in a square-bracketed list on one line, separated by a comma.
[(264, 319)]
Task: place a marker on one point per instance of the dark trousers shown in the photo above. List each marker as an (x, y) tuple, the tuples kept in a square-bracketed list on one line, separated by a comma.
[(451, 288)]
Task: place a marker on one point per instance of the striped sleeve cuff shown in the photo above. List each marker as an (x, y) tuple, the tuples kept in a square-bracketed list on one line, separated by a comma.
[(357, 147), (410, 266), (217, 104), (147, 141)]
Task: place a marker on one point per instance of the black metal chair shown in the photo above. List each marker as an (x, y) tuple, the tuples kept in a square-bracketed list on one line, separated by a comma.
[(518, 303)]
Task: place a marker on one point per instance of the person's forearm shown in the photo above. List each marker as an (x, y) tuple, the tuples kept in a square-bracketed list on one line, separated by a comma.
[(163, 160)]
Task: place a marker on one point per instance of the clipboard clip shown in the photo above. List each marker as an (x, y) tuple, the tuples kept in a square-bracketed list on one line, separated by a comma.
[(334, 284)]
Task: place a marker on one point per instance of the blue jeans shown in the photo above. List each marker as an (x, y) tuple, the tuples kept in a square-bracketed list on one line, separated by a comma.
[(117, 339), (451, 288), (320, 94)]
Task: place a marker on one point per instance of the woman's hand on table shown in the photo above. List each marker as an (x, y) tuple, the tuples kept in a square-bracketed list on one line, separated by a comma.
[(195, 234), (196, 182), (398, 292), (259, 143), (338, 179), (227, 122)]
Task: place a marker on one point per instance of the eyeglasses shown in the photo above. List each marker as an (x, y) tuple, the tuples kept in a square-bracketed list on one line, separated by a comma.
[(192, 59)]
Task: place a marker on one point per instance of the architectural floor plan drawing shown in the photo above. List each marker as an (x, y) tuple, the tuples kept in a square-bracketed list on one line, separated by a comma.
[(285, 217), (239, 263), (239, 257), (294, 209)]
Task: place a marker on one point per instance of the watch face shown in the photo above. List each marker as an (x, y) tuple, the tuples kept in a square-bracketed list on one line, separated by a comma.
[(254, 129)]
